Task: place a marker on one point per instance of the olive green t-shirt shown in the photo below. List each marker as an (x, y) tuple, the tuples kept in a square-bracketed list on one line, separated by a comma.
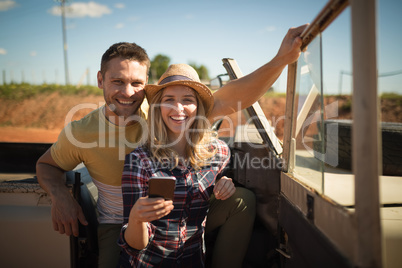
[(102, 147)]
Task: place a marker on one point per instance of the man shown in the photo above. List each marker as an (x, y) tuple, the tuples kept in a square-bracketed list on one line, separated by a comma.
[(102, 139)]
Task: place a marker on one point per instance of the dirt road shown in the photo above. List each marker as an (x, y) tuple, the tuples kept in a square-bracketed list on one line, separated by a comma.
[(20, 134)]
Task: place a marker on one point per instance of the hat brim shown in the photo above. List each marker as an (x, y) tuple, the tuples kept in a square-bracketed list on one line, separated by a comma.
[(205, 93)]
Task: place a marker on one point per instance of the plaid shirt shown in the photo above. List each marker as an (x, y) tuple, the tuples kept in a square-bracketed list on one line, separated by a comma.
[(175, 240)]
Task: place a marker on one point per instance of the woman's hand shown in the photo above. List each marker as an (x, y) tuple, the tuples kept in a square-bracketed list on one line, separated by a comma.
[(224, 188), (148, 209), (144, 210)]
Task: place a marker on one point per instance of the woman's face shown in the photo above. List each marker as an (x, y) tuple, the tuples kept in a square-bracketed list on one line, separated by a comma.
[(178, 109)]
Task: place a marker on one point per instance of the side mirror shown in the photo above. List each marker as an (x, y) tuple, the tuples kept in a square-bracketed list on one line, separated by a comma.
[(217, 82)]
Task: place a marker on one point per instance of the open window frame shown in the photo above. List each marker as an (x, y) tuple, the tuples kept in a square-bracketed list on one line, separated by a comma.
[(355, 233)]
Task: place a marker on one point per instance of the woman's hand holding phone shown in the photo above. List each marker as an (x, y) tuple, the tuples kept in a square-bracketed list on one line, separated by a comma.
[(158, 203), (145, 210), (148, 209)]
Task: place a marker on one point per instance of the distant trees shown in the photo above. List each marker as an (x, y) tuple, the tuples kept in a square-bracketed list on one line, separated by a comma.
[(202, 70), (160, 63)]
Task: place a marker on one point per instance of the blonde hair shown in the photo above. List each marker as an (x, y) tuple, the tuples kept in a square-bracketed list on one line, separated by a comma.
[(199, 148)]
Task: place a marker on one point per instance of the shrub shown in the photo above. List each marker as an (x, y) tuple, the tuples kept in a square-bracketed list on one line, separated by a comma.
[(25, 91)]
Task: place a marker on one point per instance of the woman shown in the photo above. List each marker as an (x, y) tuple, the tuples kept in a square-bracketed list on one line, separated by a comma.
[(169, 233)]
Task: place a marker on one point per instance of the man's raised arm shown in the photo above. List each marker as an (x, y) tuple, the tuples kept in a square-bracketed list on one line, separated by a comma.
[(250, 88)]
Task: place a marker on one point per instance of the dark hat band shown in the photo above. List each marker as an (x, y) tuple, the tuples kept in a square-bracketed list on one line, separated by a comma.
[(174, 78)]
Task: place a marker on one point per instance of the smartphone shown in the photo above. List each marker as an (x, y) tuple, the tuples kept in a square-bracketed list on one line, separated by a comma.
[(162, 187)]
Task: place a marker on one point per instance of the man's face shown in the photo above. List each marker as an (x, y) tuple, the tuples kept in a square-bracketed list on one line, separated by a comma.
[(123, 87)]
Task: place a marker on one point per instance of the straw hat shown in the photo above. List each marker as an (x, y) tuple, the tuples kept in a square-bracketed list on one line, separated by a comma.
[(182, 74)]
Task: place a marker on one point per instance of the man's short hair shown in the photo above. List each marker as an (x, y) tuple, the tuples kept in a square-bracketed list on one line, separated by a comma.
[(125, 50)]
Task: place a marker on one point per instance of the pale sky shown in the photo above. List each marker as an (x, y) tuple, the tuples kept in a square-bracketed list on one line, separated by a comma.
[(200, 31)]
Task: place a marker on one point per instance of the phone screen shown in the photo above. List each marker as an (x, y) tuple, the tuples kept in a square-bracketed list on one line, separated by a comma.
[(162, 187)]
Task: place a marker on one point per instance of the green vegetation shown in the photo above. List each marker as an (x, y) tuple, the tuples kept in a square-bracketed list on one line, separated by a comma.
[(160, 63), (347, 105), (26, 91), (391, 95), (273, 94), (202, 70), (394, 96)]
